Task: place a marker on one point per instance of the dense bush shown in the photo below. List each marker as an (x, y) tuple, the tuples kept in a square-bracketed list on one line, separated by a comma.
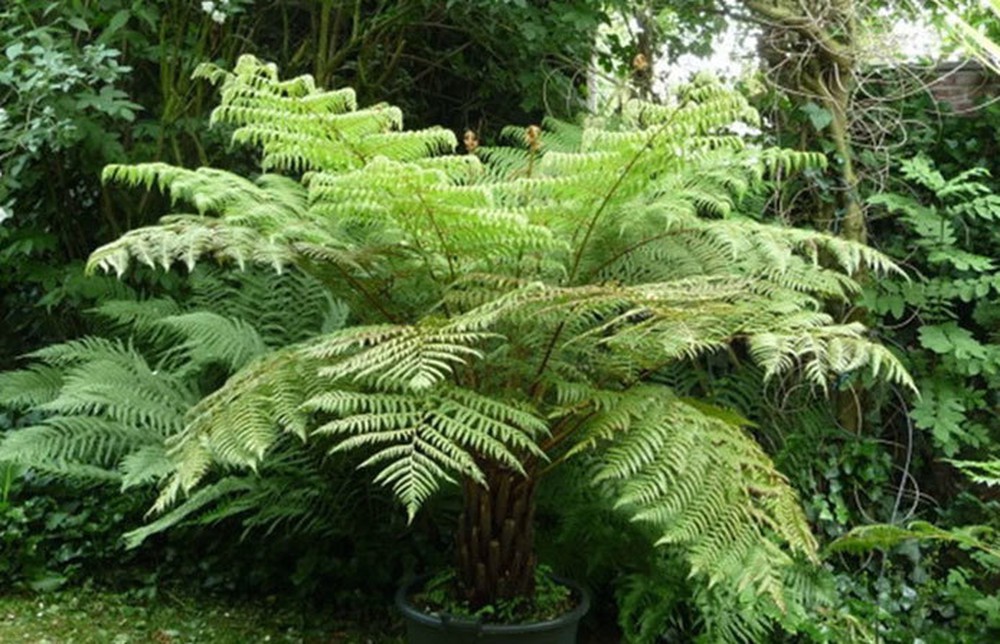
[(938, 215)]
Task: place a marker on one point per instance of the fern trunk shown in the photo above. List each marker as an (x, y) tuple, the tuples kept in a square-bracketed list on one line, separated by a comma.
[(496, 539)]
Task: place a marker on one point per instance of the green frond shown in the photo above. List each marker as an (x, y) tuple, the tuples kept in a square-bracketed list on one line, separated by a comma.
[(82, 350), (773, 161), (238, 220), (184, 239), (883, 536), (420, 439), (407, 357), (982, 472), (83, 448), (239, 422), (822, 351), (705, 485), (300, 127), (209, 190), (614, 413), (283, 308), (299, 491), (140, 315), (209, 337), (150, 464), (35, 385), (191, 506), (109, 379)]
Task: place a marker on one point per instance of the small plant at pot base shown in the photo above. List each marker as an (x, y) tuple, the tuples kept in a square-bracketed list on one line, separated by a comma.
[(510, 311), (550, 600)]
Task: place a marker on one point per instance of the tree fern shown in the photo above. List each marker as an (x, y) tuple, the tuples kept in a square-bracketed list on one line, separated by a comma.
[(504, 303)]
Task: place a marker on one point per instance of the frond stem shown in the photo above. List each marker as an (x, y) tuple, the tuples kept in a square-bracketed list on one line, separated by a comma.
[(548, 355), (556, 439), (564, 432), (592, 225), (365, 294), (440, 234), (637, 246)]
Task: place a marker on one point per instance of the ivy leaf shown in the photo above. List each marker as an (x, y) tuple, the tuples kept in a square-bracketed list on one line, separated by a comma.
[(14, 50), (819, 117)]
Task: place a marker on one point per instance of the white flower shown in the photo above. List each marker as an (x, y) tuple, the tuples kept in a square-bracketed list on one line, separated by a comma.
[(208, 6), (739, 128), (4, 215), (218, 17)]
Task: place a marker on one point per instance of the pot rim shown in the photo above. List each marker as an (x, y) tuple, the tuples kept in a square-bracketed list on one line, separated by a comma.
[(448, 622)]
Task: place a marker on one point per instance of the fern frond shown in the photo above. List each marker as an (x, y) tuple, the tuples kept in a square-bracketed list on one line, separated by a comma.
[(26, 388), (82, 350), (125, 389), (414, 357), (209, 337), (239, 422), (283, 308), (73, 446), (150, 464), (825, 350), (885, 536), (195, 503), (983, 472), (142, 316), (422, 437), (185, 239), (704, 484)]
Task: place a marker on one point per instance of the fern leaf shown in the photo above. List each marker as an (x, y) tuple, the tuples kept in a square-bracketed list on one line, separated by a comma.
[(704, 484), (26, 388), (422, 437)]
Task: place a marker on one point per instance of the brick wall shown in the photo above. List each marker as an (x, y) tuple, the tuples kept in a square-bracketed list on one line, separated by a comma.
[(963, 85)]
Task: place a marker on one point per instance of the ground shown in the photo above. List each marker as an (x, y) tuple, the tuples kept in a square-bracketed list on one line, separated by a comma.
[(87, 616)]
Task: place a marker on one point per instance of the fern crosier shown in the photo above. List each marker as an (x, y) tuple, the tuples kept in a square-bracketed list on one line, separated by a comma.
[(509, 308)]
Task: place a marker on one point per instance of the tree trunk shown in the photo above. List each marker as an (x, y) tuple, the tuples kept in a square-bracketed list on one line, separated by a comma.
[(495, 548), (822, 36), (811, 52)]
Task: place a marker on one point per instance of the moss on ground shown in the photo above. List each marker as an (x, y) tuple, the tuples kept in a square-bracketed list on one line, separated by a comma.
[(87, 616)]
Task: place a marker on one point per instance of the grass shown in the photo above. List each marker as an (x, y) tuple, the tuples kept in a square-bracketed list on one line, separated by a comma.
[(88, 616)]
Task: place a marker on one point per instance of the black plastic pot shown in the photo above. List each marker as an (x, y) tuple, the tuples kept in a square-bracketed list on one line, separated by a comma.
[(422, 628)]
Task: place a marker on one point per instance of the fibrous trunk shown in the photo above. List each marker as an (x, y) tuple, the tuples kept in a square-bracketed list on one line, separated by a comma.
[(495, 549)]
